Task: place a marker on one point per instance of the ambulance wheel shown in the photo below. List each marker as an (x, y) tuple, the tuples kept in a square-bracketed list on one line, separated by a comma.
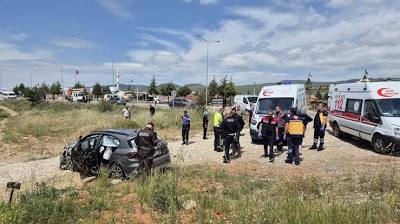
[(336, 131), (378, 144)]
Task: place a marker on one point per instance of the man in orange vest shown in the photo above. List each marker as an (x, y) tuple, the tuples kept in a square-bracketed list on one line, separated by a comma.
[(294, 132), (269, 131)]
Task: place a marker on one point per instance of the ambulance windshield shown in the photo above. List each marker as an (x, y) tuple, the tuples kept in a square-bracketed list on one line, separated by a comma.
[(266, 105), (389, 107)]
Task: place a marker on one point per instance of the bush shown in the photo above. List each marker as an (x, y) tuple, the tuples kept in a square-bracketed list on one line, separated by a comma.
[(105, 106)]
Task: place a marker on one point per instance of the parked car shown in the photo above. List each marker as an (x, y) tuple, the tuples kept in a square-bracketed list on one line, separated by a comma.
[(216, 102), (116, 100), (9, 95), (86, 154), (180, 102), (244, 101)]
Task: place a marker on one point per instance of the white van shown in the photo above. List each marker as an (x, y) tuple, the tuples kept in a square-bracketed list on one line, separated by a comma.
[(367, 110), (285, 96), (9, 95), (244, 101), (78, 97)]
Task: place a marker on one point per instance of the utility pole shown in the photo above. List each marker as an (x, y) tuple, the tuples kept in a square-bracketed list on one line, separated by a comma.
[(208, 42)]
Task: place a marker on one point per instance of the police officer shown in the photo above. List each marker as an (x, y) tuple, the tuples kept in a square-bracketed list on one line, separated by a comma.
[(146, 142), (217, 120), (320, 123), (280, 119), (269, 130), (229, 128), (185, 127), (239, 119), (205, 123), (294, 131)]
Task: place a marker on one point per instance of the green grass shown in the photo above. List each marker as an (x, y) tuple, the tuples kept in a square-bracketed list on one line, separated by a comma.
[(69, 120), (220, 197), (3, 114)]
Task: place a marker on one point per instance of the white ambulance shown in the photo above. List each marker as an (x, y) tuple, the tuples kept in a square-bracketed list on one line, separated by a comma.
[(285, 96), (367, 110)]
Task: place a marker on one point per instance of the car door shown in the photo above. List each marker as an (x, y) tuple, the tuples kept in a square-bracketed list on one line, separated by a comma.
[(351, 118), (85, 155), (369, 120)]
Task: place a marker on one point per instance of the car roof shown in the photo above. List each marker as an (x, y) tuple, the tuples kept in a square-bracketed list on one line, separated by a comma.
[(125, 132)]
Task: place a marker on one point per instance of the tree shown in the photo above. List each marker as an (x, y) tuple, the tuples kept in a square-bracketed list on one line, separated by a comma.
[(319, 95), (202, 98), (105, 90), (230, 90), (166, 89), (184, 91), (22, 89), (16, 90), (43, 90), (78, 85), (97, 90), (153, 87), (55, 89), (213, 88), (325, 96)]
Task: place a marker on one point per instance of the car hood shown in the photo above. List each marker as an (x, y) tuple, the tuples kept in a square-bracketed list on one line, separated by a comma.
[(393, 121), (71, 145)]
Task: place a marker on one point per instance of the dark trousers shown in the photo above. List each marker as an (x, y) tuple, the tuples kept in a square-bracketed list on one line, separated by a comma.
[(228, 141), (318, 134), (145, 163), (269, 145), (293, 149), (205, 132), (279, 143), (217, 134), (185, 133)]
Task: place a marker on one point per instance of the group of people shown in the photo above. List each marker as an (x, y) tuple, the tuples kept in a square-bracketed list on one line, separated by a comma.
[(276, 128)]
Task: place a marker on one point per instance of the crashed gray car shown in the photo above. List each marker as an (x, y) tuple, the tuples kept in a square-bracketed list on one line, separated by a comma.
[(112, 149)]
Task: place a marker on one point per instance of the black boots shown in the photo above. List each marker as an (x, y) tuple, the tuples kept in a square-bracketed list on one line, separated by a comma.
[(314, 146), (321, 147)]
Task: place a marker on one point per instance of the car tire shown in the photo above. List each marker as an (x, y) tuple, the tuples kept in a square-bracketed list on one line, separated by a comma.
[(116, 171), (336, 130), (378, 144)]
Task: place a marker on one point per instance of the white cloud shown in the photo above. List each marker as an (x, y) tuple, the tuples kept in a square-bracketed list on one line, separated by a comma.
[(18, 36), (11, 52), (73, 42), (202, 2), (117, 7)]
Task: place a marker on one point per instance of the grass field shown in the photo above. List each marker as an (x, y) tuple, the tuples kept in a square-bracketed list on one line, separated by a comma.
[(3, 114), (53, 121), (215, 196)]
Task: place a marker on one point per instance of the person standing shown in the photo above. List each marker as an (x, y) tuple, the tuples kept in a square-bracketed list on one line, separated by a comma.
[(239, 119), (205, 123), (294, 130), (280, 119), (229, 128), (126, 113), (185, 127), (269, 130), (320, 124), (217, 120), (152, 110), (251, 111), (146, 142)]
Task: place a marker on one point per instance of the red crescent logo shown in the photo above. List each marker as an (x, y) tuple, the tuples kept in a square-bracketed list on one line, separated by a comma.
[(386, 92), (268, 92)]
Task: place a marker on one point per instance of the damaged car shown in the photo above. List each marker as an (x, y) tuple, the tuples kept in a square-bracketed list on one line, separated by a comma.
[(113, 149)]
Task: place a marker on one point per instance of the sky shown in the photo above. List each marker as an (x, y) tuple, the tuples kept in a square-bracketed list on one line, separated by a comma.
[(259, 41)]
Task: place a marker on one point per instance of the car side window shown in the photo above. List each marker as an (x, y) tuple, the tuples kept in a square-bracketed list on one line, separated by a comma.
[(245, 100), (353, 106), (369, 108), (89, 143)]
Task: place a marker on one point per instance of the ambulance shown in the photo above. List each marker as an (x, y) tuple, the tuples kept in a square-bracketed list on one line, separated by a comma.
[(367, 110), (285, 96)]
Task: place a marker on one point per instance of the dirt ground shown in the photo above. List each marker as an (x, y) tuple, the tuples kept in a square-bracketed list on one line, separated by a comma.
[(341, 158)]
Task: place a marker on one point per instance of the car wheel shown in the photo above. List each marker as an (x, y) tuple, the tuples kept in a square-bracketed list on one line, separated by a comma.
[(336, 131), (378, 144), (116, 171)]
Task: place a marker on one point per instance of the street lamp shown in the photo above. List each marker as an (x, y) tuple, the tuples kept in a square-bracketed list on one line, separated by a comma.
[(112, 65), (62, 74), (208, 42)]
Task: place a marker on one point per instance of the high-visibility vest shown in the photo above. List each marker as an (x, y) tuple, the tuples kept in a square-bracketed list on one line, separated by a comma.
[(296, 127)]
